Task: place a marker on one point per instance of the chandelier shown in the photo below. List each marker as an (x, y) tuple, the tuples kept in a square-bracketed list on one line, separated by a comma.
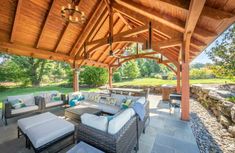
[(72, 13)]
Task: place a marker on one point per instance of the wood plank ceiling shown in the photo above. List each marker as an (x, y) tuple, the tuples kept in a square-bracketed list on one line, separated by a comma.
[(35, 28)]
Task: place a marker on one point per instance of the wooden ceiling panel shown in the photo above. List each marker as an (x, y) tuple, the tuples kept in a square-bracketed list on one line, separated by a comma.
[(69, 39), (7, 13)]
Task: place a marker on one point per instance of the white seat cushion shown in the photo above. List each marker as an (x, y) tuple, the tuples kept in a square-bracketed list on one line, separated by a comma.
[(120, 120), (26, 123), (24, 109), (97, 122), (89, 104), (48, 131), (27, 99), (112, 109), (56, 103)]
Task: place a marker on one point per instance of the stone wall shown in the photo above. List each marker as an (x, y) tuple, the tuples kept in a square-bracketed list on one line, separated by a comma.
[(217, 104), (153, 89)]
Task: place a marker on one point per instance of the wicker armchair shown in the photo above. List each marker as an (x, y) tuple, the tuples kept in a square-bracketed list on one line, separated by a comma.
[(122, 142)]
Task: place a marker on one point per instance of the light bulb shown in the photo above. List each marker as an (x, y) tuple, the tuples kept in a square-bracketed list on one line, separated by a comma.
[(69, 6), (76, 7), (70, 18)]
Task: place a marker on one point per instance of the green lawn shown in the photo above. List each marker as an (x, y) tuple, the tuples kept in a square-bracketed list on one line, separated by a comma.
[(153, 82)]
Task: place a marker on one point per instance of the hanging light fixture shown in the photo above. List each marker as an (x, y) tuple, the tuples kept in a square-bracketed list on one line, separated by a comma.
[(72, 13)]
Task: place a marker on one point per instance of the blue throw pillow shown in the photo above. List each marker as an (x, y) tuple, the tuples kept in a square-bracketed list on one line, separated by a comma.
[(110, 117), (72, 102)]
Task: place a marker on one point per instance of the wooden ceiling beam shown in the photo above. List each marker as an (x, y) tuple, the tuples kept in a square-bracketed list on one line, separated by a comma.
[(195, 10), (87, 29), (62, 37), (29, 51), (207, 11), (102, 19), (92, 63), (124, 20), (138, 17), (107, 48), (16, 20), (166, 20), (52, 5), (128, 33), (168, 43)]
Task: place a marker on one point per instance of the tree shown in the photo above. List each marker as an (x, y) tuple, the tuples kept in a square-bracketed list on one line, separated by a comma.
[(223, 54), (31, 67), (94, 76), (131, 70), (197, 65)]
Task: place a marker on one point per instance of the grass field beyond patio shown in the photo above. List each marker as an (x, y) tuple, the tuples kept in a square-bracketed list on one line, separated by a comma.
[(154, 82)]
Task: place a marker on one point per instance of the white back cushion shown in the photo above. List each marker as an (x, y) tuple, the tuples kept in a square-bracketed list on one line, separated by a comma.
[(97, 122), (119, 121), (27, 99), (120, 98)]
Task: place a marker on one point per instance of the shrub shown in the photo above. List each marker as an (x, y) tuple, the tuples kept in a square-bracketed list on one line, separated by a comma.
[(117, 77), (158, 76), (202, 73), (94, 76)]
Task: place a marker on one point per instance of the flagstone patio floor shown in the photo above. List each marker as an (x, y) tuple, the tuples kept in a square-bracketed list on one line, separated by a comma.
[(166, 133)]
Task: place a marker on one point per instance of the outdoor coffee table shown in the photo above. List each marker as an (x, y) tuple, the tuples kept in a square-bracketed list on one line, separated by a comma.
[(74, 113)]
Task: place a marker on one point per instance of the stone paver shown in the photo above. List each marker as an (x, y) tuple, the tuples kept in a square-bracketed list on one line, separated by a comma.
[(166, 133)]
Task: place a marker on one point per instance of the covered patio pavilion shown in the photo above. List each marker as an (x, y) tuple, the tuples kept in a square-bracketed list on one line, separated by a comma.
[(176, 30)]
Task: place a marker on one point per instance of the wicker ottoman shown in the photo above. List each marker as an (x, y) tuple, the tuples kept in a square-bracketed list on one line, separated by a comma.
[(82, 147)]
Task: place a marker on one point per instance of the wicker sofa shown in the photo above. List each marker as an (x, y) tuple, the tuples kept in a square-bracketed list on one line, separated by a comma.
[(46, 99), (122, 141), (33, 105)]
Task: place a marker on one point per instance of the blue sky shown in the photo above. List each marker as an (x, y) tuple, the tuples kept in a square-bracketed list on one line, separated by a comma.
[(203, 57)]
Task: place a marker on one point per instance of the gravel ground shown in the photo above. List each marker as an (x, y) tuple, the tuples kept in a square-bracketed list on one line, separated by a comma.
[(210, 135)]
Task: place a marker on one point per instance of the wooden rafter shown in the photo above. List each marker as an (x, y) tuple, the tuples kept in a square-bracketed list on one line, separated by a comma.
[(169, 43), (128, 33), (102, 20), (52, 5), (28, 51), (87, 29), (207, 11), (92, 63), (65, 30), (61, 38), (168, 21), (107, 48), (16, 20)]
